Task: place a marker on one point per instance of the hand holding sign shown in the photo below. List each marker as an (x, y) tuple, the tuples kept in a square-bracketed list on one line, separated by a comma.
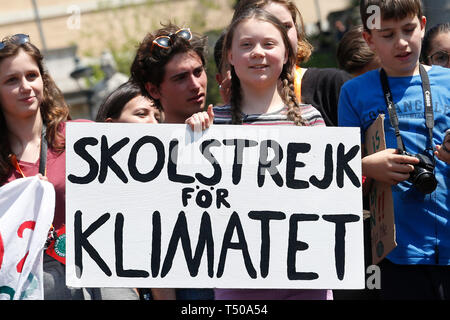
[(201, 120)]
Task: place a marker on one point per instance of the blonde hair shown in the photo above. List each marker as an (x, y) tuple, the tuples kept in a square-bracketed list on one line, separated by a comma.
[(287, 92)]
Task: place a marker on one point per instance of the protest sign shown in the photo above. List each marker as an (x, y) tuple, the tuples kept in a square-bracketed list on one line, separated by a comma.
[(26, 213), (382, 224), (232, 207)]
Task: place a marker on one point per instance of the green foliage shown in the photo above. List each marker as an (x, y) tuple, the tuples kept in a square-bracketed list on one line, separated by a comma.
[(321, 59), (123, 49), (97, 74), (324, 54)]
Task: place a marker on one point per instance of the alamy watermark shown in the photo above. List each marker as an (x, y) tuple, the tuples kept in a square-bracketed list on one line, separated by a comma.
[(373, 280), (374, 20), (74, 20)]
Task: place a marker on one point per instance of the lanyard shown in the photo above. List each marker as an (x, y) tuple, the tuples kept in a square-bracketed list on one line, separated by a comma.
[(43, 153), (52, 234), (429, 117), (42, 156)]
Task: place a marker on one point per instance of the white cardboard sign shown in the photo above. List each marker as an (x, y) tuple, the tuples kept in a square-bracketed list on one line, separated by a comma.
[(233, 207)]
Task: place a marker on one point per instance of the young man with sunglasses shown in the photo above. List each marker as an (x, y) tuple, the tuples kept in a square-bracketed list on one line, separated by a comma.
[(170, 68)]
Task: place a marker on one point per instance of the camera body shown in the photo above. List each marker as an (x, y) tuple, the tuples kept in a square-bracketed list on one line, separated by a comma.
[(423, 177)]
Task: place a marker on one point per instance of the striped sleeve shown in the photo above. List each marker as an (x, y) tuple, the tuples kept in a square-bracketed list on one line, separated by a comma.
[(312, 116), (222, 114)]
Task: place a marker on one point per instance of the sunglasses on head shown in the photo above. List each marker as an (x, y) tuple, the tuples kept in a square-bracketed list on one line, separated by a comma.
[(166, 41), (439, 58), (17, 39)]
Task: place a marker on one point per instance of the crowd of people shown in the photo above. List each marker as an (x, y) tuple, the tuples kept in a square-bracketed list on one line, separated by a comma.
[(261, 81)]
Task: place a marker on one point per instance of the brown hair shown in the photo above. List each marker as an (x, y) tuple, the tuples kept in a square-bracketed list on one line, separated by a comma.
[(287, 90), (150, 60), (304, 48), (53, 109), (353, 53), (427, 44), (390, 9)]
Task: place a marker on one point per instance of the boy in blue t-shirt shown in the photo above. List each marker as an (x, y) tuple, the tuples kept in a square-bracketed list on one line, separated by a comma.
[(418, 267)]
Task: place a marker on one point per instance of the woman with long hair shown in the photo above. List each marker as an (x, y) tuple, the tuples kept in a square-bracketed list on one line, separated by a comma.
[(33, 117)]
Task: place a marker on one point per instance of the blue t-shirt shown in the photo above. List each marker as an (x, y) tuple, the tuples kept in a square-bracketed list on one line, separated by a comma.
[(422, 221)]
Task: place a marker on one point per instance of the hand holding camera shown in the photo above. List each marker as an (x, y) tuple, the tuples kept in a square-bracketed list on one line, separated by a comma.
[(422, 177), (388, 166)]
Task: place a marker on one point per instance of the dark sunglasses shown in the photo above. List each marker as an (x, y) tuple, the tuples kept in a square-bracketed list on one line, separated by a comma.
[(17, 39), (439, 58), (166, 41)]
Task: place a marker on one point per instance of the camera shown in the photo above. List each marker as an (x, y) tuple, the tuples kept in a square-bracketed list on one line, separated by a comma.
[(423, 177)]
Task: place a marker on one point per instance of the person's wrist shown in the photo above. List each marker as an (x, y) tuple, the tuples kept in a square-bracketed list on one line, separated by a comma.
[(364, 164)]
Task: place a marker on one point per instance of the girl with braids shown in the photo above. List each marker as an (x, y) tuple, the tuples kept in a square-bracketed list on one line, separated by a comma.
[(31, 107), (259, 62), (257, 49), (319, 87)]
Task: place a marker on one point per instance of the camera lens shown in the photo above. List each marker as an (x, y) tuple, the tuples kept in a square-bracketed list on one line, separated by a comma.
[(425, 181)]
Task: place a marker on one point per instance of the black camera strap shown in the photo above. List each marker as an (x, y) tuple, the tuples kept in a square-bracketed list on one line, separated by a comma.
[(429, 119), (43, 152), (429, 116)]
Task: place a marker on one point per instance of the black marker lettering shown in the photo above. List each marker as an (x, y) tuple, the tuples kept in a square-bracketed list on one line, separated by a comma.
[(291, 164), (180, 233), (118, 244), (342, 166), (328, 174), (156, 243), (215, 178), (172, 165), (270, 165), (265, 217), (80, 148), (339, 249), (221, 194), (235, 224), (81, 241), (239, 144), (295, 245), (108, 162), (149, 176)]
